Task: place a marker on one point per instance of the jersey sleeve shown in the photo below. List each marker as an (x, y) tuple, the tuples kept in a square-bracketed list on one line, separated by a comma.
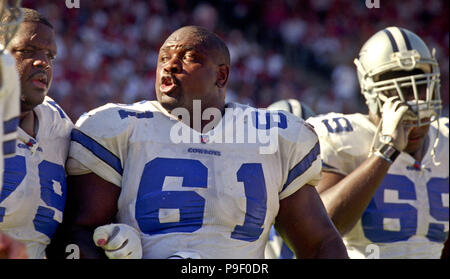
[(99, 144), (10, 102), (344, 141), (303, 164)]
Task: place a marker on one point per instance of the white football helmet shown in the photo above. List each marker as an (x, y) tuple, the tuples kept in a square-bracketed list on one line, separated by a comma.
[(10, 17), (397, 50), (293, 106)]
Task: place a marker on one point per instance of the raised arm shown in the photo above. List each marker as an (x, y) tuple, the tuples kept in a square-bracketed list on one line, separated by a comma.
[(346, 197), (303, 223)]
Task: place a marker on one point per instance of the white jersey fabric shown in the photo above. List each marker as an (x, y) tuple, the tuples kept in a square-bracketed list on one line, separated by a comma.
[(9, 107), (408, 215), (34, 186), (205, 199)]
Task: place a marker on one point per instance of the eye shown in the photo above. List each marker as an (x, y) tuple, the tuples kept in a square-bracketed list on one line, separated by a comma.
[(51, 56), (189, 56), (164, 58), (25, 50)]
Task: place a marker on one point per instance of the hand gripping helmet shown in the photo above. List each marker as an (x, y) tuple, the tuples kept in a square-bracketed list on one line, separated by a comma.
[(10, 17), (399, 50)]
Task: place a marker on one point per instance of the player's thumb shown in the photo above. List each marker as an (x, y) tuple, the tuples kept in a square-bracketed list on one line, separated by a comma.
[(102, 234)]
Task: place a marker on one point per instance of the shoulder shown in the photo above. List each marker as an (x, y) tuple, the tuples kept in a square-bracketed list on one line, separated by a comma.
[(288, 126), (114, 118), (53, 114), (352, 133)]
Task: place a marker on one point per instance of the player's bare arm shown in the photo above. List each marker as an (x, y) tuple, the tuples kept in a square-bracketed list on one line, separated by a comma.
[(346, 197), (91, 202), (303, 223)]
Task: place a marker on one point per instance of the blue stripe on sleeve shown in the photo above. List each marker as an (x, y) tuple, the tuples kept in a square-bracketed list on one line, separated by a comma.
[(58, 108), (325, 165), (9, 147), (303, 165), (98, 150), (10, 125)]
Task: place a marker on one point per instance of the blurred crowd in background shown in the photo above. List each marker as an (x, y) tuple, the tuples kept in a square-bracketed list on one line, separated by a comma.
[(107, 49)]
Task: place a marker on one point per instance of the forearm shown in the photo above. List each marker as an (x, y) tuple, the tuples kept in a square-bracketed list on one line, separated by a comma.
[(346, 201)]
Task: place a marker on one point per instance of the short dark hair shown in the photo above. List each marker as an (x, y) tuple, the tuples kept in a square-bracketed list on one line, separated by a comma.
[(29, 15), (209, 40)]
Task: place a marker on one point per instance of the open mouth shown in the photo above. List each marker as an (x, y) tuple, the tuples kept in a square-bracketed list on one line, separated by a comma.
[(40, 80), (168, 84)]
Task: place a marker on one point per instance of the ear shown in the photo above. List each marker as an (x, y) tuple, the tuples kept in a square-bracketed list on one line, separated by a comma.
[(222, 75)]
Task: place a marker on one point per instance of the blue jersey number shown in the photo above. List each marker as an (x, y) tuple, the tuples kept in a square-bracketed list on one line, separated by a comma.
[(379, 211), (15, 172), (340, 124), (153, 203)]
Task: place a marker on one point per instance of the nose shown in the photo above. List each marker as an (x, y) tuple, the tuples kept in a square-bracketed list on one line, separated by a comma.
[(42, 61), (173, 66)]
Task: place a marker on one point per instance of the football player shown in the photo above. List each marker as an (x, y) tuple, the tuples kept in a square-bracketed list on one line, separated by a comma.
[(34, 182), (195, 199), (385, 175)]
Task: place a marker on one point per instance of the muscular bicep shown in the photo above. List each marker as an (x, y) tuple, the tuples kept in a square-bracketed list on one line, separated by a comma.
[(303, 223), (91, 200)]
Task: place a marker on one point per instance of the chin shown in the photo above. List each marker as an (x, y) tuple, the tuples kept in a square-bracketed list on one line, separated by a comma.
[(169, 103)]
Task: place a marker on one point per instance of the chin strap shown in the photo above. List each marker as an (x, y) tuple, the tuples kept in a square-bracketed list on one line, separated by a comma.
[(436, 142), (377, 132)]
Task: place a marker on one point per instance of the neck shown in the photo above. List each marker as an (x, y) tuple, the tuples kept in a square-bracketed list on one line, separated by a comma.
[(420, 153), (27, 122)]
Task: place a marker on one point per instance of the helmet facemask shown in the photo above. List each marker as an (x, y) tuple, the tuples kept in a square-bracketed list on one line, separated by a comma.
[(420, 92), (417, 84)]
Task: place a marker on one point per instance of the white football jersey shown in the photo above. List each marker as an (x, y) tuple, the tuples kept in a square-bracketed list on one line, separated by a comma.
[(9, 107), (205, 199), (34, 186), (408, 215)]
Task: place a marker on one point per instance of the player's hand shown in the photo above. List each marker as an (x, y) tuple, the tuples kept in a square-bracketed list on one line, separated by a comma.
[(119, 241), (393, 132), (11, 248)]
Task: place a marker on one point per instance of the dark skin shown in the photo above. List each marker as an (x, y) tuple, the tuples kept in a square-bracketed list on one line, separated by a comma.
[(34, 48), (197, 73), (302, 219), (347, 197)]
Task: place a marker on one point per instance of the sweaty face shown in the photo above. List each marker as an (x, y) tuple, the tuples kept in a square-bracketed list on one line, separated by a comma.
[(185, 72), (34, 49)]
